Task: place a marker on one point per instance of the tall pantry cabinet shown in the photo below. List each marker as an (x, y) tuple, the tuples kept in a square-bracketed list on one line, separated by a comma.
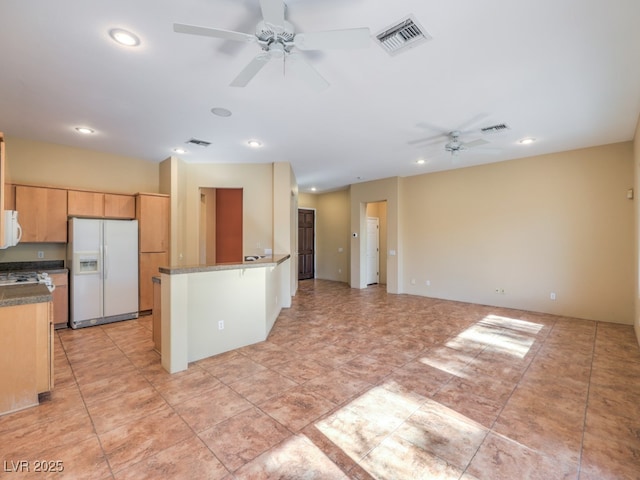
[(152, 212)]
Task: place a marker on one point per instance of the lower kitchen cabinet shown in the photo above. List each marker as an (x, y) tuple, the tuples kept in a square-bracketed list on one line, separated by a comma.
[(149, 265), (26, 354), (60, 299)]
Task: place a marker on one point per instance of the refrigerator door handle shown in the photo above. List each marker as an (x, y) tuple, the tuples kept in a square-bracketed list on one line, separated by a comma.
[(106, 262)]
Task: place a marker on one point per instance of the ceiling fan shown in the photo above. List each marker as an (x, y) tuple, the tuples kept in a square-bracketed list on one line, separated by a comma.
[(277, 39), (454, 144)]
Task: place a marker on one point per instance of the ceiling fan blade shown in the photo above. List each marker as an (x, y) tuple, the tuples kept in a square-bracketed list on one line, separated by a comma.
[(307, 72), (273, 13), (475, 143), (467, 126), (348, 38), (428, 140), (251, 70), (213, 32)]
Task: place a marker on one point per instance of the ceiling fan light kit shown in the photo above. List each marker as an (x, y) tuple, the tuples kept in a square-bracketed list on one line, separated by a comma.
[(277, 38)]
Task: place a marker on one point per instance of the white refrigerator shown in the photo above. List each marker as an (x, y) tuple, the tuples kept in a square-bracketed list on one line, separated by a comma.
[(102, 258)]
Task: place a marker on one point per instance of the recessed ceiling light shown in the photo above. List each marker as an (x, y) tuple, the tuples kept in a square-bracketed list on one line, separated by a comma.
[(123, 37), (179, 150), (254, 143), (313, 189), (526, 141), (85, 130), (420, 162), (221, 112)]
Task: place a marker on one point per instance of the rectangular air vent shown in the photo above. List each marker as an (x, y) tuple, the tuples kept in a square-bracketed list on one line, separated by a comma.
[(495, 128), (200, 143), (403, 35)]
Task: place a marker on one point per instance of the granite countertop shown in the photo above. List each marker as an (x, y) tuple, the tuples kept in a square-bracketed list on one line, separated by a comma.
[(267, 261), (49, 266), (24, 294)]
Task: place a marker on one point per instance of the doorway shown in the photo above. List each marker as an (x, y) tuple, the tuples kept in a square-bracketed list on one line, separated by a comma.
[(373, 250), (221, 238), (306, 243)]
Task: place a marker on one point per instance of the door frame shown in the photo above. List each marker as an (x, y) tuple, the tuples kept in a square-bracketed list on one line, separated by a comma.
[(315, 221)]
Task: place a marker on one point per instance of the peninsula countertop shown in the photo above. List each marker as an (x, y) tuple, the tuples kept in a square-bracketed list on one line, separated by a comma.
[(266, 261), (11, 295)]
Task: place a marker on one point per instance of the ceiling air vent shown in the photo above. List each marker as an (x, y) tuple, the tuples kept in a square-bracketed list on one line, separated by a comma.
[(403, 35), (495, 128), (199, 143)]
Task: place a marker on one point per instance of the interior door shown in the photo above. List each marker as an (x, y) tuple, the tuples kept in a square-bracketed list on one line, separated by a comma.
[(373, 250), (228, 225), (306, 240)]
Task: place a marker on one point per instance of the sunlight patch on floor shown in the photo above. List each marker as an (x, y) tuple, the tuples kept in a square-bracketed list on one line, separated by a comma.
[(399, 436), (297, 458), (500, 334)]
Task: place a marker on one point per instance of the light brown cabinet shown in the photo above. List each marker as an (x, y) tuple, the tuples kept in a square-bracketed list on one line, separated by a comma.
[(9, 196), (156, 324), (60, 299), (150, 262), (3, 207), (43, 213), (85, 204), (119, 206), (152, 212), (100, 205), (26, 354)]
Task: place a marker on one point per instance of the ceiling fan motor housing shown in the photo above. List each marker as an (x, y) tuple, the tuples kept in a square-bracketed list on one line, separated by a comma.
[(268, 36)]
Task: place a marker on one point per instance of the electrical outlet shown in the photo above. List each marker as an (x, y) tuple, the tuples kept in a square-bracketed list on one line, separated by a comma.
[(221, 325), (40, 254), (428, 283), (552, 295)]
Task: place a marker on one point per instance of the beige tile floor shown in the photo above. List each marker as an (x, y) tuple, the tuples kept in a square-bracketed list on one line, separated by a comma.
[(351, 384)]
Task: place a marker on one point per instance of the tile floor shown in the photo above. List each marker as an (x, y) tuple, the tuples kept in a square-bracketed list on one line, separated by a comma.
[(351, 384)]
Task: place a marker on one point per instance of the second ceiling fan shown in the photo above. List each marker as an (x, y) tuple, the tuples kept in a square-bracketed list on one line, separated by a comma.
[(277, 39)]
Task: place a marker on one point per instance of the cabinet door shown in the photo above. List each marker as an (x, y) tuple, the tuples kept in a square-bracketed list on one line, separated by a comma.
[(18, 358), (119, 206), (85, 204), (60, 299), (9, 197), (42, 214), (153, 217), (3, 207), (149, 264), (44, 346)]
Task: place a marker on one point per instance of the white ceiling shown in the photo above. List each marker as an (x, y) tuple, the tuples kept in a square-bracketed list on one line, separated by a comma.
[(566, 72)]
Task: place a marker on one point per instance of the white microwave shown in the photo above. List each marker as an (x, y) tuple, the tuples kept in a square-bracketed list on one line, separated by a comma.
[(12, 230)]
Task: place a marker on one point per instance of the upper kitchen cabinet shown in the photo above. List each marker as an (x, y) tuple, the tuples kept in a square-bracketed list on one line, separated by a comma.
[(101, 205), (9, 196), (85, 204), (152, 212), (43, 213), (2, 187), (119, 206)]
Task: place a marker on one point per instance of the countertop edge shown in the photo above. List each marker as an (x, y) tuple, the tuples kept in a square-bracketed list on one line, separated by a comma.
[(12, 295), (270, 261)]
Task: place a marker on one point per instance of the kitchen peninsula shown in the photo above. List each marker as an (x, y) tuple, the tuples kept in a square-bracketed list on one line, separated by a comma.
[(211, 309)]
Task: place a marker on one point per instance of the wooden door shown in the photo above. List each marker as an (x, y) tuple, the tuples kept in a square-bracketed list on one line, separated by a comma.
[(306, 239), (228, 225)]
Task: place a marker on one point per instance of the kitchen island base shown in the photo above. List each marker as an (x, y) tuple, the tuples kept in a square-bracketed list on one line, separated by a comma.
[(208, 310)]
